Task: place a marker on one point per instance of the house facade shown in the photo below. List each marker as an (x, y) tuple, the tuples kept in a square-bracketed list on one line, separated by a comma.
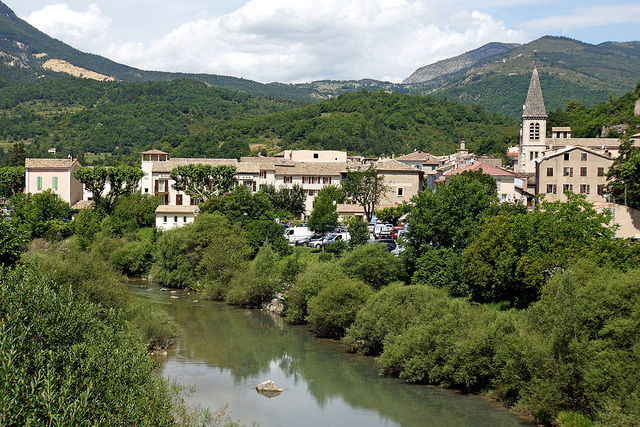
[(509, 186), (55, 175), (575, 169)]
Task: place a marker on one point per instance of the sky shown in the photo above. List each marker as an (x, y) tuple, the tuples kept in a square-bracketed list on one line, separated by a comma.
[(296, 41)]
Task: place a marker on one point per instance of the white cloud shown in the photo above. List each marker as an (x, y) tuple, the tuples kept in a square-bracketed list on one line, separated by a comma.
[(75, 28), (296, 40), (303, 40), (587, 17)]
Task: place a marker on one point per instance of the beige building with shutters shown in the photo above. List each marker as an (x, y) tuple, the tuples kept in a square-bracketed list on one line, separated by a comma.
[(575, 169)]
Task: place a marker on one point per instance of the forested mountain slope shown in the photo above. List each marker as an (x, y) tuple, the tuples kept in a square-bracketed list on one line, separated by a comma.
[(187, 118)]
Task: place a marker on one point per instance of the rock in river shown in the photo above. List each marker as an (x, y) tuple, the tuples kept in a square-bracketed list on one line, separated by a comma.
[(269, 389)]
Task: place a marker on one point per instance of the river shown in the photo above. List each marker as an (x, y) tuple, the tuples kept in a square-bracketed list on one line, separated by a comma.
[(224, 352)]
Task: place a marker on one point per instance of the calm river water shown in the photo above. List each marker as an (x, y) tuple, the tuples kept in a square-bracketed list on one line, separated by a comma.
[(224, 352)]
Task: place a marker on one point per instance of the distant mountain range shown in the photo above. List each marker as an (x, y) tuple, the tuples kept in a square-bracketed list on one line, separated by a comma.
[(495, 75)]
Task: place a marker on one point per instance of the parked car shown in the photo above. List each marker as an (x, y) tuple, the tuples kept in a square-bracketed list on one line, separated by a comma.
[(293, 234), (397, 232), (383, 231), (390, 245), (328, 239)]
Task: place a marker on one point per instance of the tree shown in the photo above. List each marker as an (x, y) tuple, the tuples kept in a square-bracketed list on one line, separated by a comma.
[(202, 182), (449, 215), (358, 230), (366, 187), (324, 216), (373, 264), (392, 214), (40, 212), (516, 253), (624, 176), (122, 179), (12, 241), (18, 155), (11, 180)]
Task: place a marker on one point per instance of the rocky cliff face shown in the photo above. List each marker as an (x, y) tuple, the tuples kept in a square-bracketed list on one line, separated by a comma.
[(457, 63)]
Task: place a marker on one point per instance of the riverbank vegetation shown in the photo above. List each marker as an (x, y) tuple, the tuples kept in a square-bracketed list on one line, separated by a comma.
[(537, 308)]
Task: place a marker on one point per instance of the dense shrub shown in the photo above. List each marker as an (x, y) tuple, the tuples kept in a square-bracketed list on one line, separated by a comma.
[(440, 268), (372, 264), (134, 258), (316, 277), (258, 282), (334, 309), (85, 226), (67, 361), (387, 313)]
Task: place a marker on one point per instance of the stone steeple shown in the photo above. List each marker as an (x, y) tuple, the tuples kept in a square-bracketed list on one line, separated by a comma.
[(534, 105)]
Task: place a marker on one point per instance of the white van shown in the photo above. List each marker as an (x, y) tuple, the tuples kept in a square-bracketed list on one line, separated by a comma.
[(293, 234)]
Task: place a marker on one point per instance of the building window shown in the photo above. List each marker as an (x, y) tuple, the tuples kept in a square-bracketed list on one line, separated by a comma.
[(534, 131), (583, 171), (585, 189), (567, 172), (304, 179), (178, 199), (600, 171), (566, 157), (583, 157), (549, 171), (175, 219), (551, 189), (146, 190), (54, 182), (263, 174), (165, 219), (600, 189), (184, 219), (38, 183), (567, 187), (531, 155), (315, 155), (400, 192), (288, 180)]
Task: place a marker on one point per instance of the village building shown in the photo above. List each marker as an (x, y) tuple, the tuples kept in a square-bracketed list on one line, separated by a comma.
[(509, 186), (575, 169), (172, 216), (55, 175)]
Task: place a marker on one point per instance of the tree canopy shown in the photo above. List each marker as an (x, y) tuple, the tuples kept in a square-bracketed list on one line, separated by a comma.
[(122, 180), (201, 182), (365, 187)]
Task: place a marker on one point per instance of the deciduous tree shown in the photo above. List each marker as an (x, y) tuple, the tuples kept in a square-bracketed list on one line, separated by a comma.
[(366, 187), (202, 182)]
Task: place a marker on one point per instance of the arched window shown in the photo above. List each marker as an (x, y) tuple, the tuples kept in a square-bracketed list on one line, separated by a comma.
[(534, 131)]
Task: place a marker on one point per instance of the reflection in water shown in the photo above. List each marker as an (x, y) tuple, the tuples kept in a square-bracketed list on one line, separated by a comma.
[(225, 352)]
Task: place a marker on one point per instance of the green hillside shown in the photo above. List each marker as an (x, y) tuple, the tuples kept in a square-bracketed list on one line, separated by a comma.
[(569, 70), (187, 118)]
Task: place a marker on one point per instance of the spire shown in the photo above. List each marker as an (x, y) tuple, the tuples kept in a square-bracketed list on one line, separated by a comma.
[(534, 106)]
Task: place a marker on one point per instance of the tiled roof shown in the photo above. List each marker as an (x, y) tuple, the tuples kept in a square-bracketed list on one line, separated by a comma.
[(534, 105), (416, 156), (154, 152), (329, 168), (169, 165), (585, 142), (486, 168), (83, 204), (394, 165), (177, 209), (50, 163), (567, 149)]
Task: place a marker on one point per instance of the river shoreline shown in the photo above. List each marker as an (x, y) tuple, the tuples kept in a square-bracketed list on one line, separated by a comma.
[(177, 294)]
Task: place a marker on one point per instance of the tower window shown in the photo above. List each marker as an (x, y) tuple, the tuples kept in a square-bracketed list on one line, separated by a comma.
[(534, 131)]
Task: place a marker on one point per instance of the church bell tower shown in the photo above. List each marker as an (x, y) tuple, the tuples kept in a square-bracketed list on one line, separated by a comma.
[(533, 129)]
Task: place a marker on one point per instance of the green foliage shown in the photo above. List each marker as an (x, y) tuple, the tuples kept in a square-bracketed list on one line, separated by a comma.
[(365, 187), (358, 230), (134, 258), (12, 241), (516, 253), (334, 308), (624, 176), (85, 226), (11, 180), (259, 232), (392, 214), (122, 180), (258, 283), (440, 268), (206, 253), (41, 213), (449, 215), (372, 264), (324, 216), (387, 313), (201, 182), (70, 362), (573, 419), (316, 277)]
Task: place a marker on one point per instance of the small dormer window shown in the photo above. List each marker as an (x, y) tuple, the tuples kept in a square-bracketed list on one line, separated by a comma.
[(316, 155)]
